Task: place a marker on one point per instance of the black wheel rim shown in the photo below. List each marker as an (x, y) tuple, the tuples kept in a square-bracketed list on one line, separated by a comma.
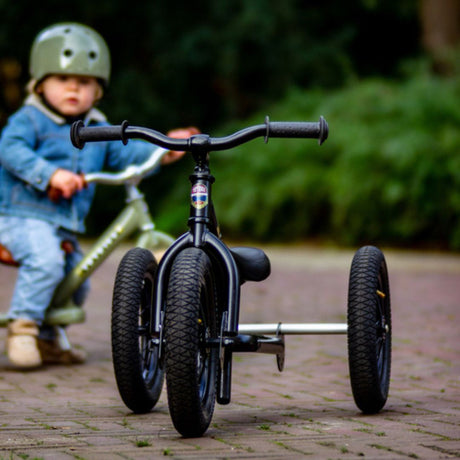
[(204, 357), (148, 352), (383, 330)]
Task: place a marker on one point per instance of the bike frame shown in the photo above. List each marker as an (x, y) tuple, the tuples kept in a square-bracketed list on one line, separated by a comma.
[(134, 218), (204, 233)]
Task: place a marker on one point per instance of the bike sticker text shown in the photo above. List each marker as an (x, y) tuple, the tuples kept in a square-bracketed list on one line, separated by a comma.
[(199, 196)]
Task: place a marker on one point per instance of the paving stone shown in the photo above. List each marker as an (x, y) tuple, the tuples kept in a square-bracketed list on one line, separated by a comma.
[(306, 411)]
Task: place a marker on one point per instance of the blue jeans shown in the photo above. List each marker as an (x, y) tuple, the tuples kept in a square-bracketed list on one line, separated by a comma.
[(36, 245)]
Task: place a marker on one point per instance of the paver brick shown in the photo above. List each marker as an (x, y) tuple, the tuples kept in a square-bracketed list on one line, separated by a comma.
[(306, 411)]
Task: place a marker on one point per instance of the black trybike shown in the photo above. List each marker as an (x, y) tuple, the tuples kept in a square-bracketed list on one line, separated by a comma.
[(180, 319)]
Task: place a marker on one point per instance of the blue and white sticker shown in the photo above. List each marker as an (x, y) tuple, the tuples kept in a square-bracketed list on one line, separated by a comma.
[(199, 196)]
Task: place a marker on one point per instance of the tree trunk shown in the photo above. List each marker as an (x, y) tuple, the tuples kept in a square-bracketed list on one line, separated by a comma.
[(440, 20)]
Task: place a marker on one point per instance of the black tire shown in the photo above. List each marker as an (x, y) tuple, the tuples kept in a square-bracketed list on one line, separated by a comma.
[(191, 318), (369, 330), (137, 371)]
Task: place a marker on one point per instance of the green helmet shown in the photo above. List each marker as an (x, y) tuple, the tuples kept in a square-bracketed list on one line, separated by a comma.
[(70, 48)]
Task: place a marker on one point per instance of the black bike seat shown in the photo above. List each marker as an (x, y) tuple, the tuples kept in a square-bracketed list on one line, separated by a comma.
[(253, 264)]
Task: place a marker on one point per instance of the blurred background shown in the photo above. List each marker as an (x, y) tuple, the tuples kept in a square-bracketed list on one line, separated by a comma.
[(384, 74)]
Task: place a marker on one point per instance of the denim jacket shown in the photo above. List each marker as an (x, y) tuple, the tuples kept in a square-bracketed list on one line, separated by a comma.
[(34, 144)]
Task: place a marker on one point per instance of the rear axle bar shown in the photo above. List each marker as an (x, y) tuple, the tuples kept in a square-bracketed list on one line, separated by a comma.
[(293, 328)]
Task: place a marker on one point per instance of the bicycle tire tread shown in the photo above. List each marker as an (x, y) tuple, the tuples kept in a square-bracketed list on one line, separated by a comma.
[(362, 335), (125, 339), (181, 343)]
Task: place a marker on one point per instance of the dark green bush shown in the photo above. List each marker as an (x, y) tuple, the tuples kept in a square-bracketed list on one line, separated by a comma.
[(396, 174), (207, 62), (389, 172)]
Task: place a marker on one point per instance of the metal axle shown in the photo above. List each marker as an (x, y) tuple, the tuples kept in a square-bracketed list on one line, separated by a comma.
[(293, 328)]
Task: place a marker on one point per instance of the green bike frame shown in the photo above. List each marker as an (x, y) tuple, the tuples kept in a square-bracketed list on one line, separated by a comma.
[(134, 218)]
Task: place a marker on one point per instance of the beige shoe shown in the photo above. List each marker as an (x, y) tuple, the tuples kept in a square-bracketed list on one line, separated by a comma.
[(52, 353), (21, 344)]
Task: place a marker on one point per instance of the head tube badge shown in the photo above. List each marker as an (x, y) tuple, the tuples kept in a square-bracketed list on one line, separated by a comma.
[(199, 196)]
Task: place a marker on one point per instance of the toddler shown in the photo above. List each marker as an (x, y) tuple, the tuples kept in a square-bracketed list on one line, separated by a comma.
[(43, 200)]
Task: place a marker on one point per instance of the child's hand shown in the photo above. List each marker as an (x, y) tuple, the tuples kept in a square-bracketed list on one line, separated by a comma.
[(64, 183), (179, 133)]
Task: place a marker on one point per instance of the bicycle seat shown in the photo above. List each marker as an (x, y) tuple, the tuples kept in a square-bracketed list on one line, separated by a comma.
[(6, 257), (253, 264)]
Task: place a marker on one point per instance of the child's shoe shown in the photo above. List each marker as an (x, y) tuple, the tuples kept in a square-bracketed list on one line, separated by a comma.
[(52, 353), (22, 348)]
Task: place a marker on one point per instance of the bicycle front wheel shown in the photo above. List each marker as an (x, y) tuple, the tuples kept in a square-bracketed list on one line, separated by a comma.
[(369, 329), (135, 359), (191, 366)]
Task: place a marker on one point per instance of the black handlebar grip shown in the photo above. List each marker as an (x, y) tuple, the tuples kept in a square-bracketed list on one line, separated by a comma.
[(79, 134), (310, 130)]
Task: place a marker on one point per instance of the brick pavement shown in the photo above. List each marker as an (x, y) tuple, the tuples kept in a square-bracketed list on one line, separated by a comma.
[(76, 413)]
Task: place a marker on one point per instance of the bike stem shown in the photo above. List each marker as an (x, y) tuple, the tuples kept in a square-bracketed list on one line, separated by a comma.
[(201, 215), (204, 233)]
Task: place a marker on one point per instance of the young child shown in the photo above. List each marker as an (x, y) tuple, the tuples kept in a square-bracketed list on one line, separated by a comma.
[(43, 200)]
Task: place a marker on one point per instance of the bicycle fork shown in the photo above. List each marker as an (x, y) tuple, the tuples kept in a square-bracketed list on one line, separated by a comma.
[(204, 234)]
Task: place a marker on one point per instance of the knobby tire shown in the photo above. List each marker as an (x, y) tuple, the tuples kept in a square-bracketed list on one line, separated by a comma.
[(369, 329), (190, 319), (137, 371)]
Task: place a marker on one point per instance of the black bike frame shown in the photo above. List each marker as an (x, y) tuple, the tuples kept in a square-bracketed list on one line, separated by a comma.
[(204, 231), (204, 234)]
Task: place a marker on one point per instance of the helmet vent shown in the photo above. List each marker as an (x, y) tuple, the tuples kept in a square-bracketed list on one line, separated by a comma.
[(70, 49)]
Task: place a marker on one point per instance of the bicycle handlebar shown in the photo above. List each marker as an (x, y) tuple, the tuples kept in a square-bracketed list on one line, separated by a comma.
[(199, 142), (132, 173)]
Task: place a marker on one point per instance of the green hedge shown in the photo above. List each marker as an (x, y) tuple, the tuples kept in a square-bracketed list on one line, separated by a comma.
[(396, 174), (388, 174)]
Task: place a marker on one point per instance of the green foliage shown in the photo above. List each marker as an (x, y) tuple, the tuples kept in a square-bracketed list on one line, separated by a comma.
[(396, 177), (389, 172), (207, 62)]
